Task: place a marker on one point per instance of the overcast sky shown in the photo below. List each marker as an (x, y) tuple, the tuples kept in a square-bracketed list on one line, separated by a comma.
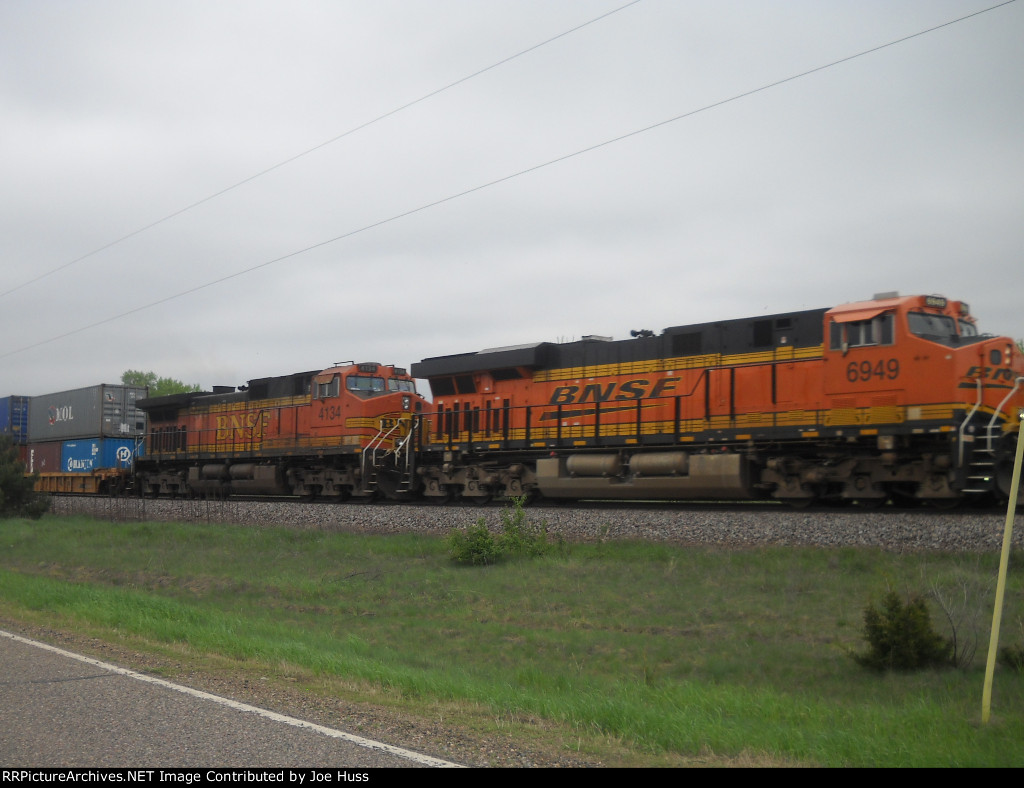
[(902, 169)]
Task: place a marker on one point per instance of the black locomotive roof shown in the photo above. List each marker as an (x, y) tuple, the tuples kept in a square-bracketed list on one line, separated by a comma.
[(170, 400), (533, 356), (258, 388), (742, 335)]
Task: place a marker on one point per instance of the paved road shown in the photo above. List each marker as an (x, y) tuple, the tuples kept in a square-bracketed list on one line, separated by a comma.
[(59, 709)]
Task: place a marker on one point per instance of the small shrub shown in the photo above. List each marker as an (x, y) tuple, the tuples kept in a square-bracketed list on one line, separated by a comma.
[(17, 498), (473, 545), (1012, 657), (519, 537), (901, 636), (961, 599)]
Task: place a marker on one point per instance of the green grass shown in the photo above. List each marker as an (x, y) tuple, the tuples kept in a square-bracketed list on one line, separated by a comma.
[(635, 653)]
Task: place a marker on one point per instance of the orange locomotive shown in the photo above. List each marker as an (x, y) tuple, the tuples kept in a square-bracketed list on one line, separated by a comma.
[(893, 397), (337, 432)]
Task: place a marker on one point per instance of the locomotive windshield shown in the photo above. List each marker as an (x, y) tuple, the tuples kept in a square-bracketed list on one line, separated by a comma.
[(366, 385), (968, 329), (938, 328), (396, 384), (370, 383), (941, 328)]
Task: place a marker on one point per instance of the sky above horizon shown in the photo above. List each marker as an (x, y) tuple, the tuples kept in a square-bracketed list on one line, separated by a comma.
[(224, 191)]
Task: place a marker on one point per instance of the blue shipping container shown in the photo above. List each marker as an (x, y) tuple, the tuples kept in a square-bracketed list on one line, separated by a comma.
[(97, 454), (14, 418)]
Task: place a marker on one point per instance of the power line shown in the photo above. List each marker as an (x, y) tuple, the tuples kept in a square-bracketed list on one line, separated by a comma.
[(315, 148), (504, 179)]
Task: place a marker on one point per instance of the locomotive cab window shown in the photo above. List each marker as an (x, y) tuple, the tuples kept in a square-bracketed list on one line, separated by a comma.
[(862, 333), (329, 388)]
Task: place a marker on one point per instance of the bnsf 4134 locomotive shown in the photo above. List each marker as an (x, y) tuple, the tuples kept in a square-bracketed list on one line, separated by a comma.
[(897, 397), (338, 432)]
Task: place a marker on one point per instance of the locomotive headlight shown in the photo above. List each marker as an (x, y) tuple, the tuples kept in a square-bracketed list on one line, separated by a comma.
[(406, 401)]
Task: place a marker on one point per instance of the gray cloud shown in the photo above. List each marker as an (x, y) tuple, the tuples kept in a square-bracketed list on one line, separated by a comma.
[(900, 170)]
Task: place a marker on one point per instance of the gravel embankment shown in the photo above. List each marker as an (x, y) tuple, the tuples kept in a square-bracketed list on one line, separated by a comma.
[(735, 526)]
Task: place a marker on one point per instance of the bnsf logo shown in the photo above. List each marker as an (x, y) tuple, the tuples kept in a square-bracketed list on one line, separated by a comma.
[(242, 427), (992, 373), (596, 392), (61, 414)]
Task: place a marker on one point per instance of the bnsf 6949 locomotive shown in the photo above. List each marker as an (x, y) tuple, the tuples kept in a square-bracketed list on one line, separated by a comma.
[(897, 397)]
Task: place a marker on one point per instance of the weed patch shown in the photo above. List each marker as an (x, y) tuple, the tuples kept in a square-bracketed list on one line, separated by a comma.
[(518, 538)]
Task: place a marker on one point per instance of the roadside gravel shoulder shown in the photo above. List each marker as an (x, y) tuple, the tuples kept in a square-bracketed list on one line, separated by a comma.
[(431, 737)]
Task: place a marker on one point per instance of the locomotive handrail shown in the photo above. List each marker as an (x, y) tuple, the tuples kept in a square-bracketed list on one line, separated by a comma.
[(1016, 385), (378, 440), (966, 421), (401, 445)]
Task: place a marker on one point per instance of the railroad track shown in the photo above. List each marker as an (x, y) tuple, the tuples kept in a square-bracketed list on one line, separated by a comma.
[(730, 524)]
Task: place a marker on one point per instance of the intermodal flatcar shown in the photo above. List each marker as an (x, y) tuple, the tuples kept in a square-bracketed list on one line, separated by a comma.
[(896, 397)]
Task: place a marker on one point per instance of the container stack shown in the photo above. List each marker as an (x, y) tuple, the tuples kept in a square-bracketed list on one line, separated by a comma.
[(14, 419), (85, 440)]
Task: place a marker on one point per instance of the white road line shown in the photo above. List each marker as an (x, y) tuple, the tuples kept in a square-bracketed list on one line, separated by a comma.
[(370, 744)]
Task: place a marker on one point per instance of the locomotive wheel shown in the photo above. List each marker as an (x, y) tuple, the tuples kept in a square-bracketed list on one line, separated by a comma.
[(441, 500)]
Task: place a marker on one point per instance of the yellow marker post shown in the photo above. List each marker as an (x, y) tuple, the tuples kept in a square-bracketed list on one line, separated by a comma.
[(997, 614)]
